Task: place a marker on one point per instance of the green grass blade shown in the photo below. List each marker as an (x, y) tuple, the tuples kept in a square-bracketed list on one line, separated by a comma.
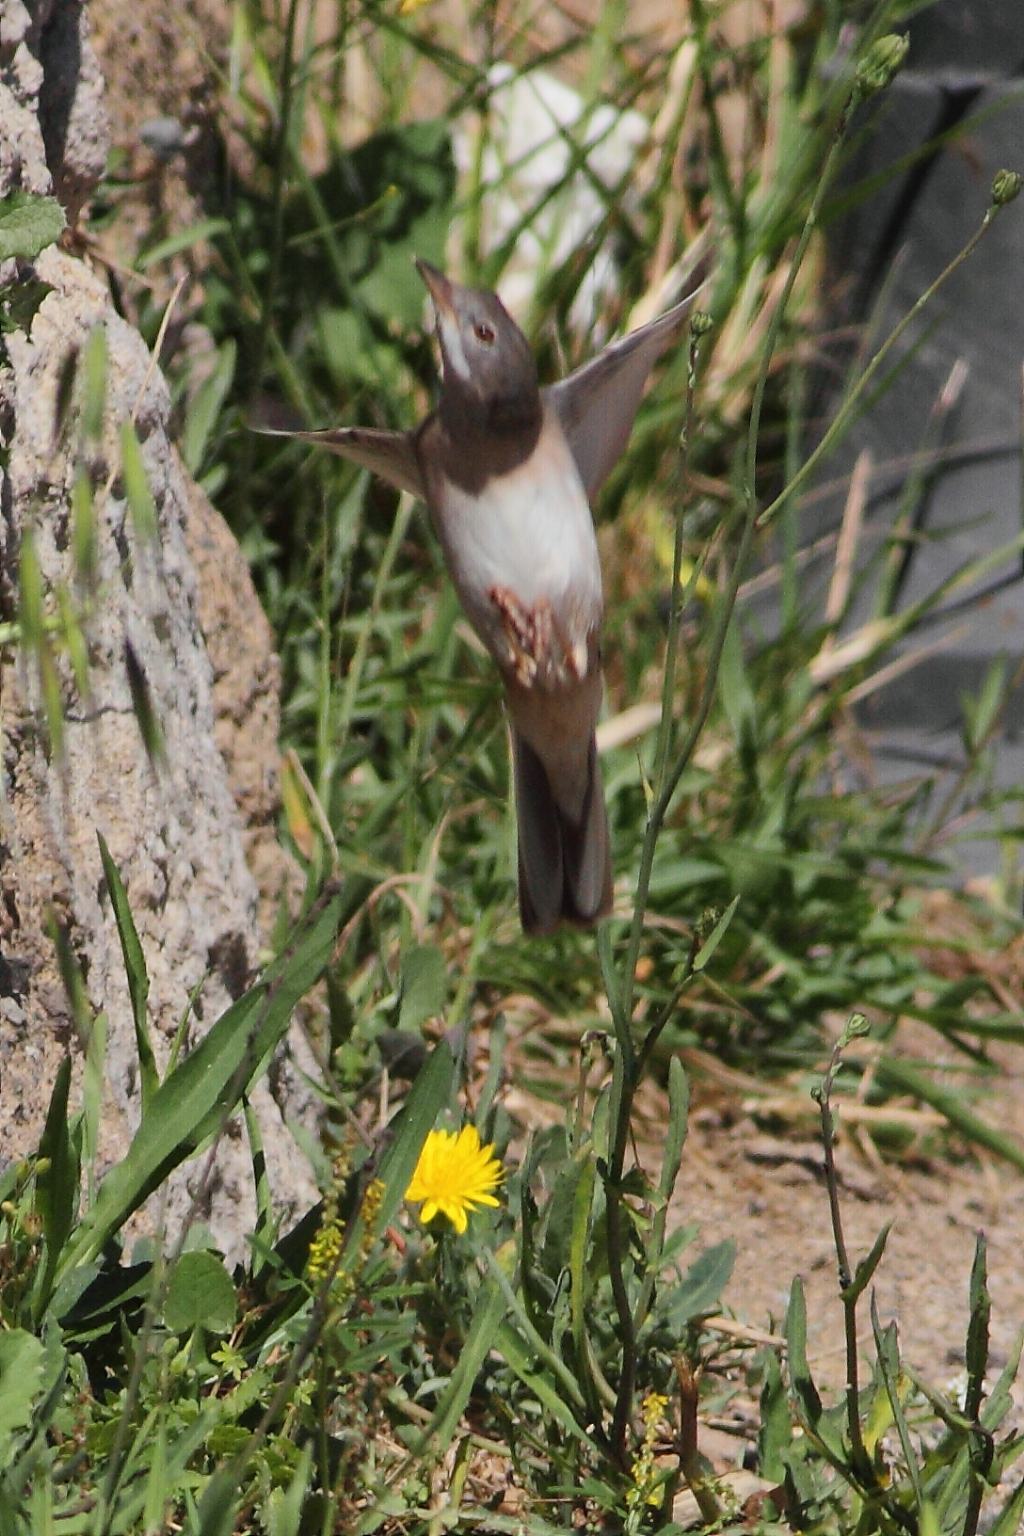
[(976, 1352), (477, 1345), (135, 970), (136, 484), (57, 1184), (898, 1077), (889, 1365), (205, 410), (93, 1078), (517, 1356), (265, 1231)]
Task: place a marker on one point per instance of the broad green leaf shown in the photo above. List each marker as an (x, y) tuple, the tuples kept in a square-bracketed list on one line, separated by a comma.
[(775, 1433), (701, 1288), (200, 1295), (284, 1506), (28, 224), (196, 1098), (424, 986), (21, 1382)]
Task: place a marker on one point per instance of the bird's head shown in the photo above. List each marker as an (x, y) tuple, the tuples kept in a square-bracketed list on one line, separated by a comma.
[(490, 378)]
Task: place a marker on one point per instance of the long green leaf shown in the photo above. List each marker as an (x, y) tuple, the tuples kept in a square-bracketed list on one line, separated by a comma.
[(887, 1351), (896, 1076), (135, 970), (477, 1345), (796, 1348), (867, 1266), (429, 1095), (265, 1229), (517, 1355), (1008, 1521), (57, 1184), (195, 1099)]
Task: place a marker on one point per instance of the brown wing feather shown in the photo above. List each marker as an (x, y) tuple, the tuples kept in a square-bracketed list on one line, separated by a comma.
[(391, 455)]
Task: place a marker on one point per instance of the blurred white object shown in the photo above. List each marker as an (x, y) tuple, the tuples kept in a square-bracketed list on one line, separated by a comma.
[(536, 127)]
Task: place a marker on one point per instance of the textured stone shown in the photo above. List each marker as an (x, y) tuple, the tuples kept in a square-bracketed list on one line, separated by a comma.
[(179, 829)]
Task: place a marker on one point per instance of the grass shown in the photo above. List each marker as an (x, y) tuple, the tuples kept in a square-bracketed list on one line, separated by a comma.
[(550, 1370)]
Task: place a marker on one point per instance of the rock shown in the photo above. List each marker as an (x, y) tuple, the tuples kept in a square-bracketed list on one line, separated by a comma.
[(192, 833)]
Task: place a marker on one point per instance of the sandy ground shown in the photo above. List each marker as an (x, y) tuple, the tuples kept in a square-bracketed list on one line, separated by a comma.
[(769, 1194)]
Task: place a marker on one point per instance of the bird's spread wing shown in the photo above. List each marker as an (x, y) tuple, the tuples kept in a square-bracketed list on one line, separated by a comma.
[(391, 455), (597, 404)]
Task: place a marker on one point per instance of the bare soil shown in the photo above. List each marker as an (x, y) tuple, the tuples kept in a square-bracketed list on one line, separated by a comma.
[(768, 1193)]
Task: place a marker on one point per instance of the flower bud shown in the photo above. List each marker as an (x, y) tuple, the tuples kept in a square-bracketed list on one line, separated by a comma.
[(1006, 186), (882, 62)]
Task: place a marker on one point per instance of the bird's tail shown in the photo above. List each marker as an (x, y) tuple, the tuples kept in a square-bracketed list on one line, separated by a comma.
[(565, 872)]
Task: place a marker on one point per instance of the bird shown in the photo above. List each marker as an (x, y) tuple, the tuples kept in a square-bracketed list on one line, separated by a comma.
[(509, 471)]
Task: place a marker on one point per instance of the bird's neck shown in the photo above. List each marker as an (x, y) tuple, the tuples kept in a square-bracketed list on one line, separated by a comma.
[(515, 417), (474, 447)]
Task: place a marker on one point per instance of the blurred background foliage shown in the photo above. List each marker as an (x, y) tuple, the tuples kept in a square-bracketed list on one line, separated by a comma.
[(600, 154)]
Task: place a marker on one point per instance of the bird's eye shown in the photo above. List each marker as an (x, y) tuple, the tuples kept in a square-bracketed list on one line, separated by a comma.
[(483, 332)]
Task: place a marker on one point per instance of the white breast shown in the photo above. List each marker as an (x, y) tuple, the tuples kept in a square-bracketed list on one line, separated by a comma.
[(529, 531)]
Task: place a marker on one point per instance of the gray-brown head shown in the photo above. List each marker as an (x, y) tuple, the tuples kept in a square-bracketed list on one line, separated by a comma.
[(490, 378)]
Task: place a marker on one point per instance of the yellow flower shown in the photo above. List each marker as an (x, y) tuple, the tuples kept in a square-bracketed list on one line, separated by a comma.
[(454, 1175)]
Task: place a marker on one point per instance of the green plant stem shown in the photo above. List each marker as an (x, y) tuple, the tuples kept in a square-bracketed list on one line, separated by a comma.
[(280, 159), (842, 420), (718, 157), (621, 997), (624, 1090), (666, 789), (861, 1459)]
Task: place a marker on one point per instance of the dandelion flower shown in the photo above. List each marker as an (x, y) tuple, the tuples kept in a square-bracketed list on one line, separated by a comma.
[(454, 1175)]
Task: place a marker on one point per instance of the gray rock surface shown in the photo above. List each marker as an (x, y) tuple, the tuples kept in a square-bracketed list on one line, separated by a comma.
[(964, 78), (192, 835)]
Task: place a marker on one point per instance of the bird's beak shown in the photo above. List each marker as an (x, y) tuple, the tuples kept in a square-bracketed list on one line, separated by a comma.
[(440, 288)]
